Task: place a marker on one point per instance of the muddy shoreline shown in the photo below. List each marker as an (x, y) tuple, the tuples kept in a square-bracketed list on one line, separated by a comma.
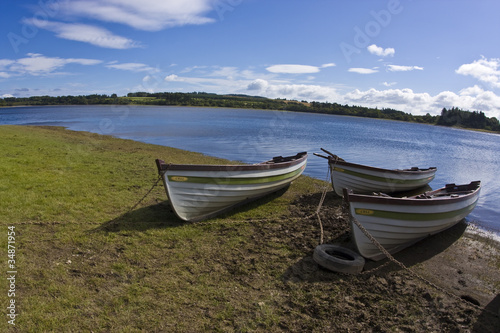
[(452, 283)]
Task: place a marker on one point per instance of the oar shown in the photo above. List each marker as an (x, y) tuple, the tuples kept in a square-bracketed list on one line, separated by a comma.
[(326, 151), (319, 155), (332, 155)]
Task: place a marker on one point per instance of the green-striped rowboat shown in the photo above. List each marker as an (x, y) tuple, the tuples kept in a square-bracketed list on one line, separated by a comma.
[(367, 179), (397, 223), (198, 192)]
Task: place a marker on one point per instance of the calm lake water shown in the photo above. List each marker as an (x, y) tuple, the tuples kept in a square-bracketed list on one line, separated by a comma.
[(253, 136)]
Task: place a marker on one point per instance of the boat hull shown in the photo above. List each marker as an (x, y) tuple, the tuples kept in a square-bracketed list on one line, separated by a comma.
[(397, 223), (198, 192), (366, 179)]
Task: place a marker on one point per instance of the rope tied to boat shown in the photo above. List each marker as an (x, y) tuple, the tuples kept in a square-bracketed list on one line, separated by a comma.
[(145, 195), (320, 204), (403, 266)]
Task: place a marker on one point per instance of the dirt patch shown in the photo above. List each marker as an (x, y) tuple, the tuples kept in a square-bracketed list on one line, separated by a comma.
[(384, 297)]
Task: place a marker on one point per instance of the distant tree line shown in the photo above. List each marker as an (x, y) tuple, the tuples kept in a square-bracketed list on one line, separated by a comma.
[(62, 100), (467, 119), (449, 117), (205, 99)]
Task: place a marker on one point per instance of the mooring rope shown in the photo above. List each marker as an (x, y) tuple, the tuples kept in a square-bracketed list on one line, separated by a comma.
[(325, 190), (415, 274), (321, 201), (145, 195)]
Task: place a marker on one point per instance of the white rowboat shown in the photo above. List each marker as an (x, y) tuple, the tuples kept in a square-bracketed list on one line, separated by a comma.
[(397, 223), (197, 192), (367, 179)]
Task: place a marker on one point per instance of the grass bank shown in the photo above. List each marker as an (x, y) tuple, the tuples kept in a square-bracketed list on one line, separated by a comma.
[(86, 262)]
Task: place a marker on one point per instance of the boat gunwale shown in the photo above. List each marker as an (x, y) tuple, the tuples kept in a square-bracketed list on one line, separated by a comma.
[(474, 187), (336, 162), (277, 162)]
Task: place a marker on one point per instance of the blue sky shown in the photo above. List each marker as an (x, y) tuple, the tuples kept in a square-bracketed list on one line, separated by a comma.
[(412, 55)]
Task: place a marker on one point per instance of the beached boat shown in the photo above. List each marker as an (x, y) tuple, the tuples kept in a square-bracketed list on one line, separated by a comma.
[(197, 192), (397, 223), (367, 179)]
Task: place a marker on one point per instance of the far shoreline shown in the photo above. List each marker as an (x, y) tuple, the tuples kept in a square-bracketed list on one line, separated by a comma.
[(242, 108)]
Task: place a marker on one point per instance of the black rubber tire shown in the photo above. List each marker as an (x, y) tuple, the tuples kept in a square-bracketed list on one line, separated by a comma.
[(338, 259)]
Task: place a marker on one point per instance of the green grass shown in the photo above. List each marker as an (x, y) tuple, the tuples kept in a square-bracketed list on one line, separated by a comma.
[(85, 260), (88, 262)]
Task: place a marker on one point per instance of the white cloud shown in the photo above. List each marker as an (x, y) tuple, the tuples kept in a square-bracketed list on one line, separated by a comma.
[(485, 70), (38, 64), (482, 100), (4, 75), (172, 78), (193, 68), (213, 74), (292, 69), (150, 15), (4, 63), (386, 98), (328, 65), (6, 96), (363, 70), (227, 72), (233, 80), (398, 68), (446, 99), (472, 98), (133, 67), (471, 91), (223, 72), (295, 91), (86, 33), (258, 84), (381, 52), (389, 84)]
